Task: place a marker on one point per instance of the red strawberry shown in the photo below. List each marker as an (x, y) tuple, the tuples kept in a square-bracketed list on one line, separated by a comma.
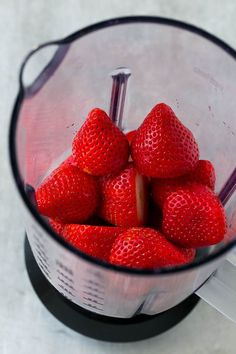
[(163, 146), (99, 147), (68, 195), (130, 135), (194, 217), (163, 187), (58, 227), (93, 240), (124, 198), (204, 173), (147, 248)]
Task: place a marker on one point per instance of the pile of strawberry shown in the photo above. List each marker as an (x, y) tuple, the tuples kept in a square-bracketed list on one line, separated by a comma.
[(141, 200)]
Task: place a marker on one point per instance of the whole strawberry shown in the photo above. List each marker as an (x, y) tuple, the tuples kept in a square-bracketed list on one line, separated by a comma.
[(68, 195), (162, 146), (204, 173), (194, 217), (93, 240), (124, 198), (99, 147), (147, 248)]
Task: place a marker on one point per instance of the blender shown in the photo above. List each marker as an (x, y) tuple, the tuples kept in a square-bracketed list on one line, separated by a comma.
[(124, 66)]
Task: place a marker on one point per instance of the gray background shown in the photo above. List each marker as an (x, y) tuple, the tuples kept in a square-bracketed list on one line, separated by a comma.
[(25, 325)]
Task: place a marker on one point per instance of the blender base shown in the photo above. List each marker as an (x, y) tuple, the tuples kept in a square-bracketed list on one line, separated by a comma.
[(97, 326)]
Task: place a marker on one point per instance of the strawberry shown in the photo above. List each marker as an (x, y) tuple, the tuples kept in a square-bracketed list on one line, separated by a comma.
[(68, 195), (124, 198), (58, 227), (193, 217), (99, 147), (163, 187), (130, 135), (147, 248), (93, 240), (204, 173), (162, 146)]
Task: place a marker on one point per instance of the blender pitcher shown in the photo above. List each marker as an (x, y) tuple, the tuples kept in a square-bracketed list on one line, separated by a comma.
[(60, 82)]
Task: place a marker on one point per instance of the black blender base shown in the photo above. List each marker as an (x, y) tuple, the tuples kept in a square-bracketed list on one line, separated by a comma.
[(102, 327)]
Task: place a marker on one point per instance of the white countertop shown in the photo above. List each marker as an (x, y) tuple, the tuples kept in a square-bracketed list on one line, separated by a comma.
[(25, 325)]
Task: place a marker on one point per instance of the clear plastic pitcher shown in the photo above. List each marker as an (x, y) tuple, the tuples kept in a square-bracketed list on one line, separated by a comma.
[(60, 82)]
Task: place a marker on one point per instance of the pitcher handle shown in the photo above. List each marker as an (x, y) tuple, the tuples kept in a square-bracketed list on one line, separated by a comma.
[(219, 290)]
